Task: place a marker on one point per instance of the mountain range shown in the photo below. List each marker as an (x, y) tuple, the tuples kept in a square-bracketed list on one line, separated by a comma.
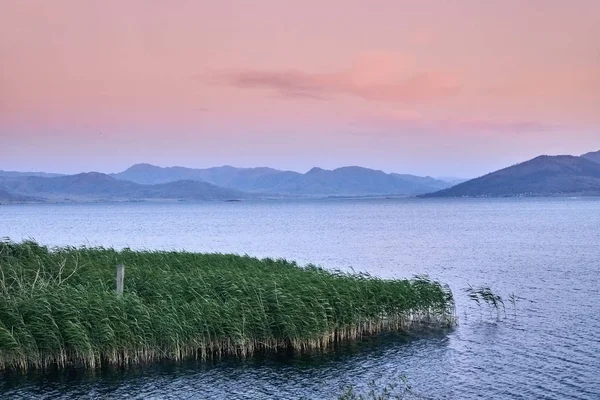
[(149, 182), (541, 176), (345, 181)]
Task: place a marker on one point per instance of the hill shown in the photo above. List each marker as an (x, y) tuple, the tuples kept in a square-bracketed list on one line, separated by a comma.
[(346, 181), (541, 176), (592, 156), (97, 186), (9, 198)]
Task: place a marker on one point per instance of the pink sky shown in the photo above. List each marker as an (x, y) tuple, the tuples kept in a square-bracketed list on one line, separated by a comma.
[(426, 87)]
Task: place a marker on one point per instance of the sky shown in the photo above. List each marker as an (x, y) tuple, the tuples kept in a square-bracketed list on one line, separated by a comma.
[(427, 87)]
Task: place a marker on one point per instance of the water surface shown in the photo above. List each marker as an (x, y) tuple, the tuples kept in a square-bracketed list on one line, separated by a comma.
[(545, 251)]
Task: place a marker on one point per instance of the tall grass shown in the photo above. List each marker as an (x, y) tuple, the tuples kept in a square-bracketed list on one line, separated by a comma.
[(485, 295), (58, 306)]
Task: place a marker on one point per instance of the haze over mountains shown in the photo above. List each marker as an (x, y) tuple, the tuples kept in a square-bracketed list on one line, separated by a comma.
[(16, 174), (6, 197), (345, 181), (94, 186), (541, 176)]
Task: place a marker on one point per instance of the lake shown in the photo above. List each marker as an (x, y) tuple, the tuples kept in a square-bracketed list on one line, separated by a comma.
[(544, 251)]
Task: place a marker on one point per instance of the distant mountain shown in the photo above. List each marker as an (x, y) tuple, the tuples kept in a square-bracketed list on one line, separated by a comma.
[(346, 181), (541, 176), (357, 181), (15, 174), (227, 176), (592, 156), (97, 186)]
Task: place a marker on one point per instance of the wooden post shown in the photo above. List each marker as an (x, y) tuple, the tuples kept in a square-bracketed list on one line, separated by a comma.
[(120, 279)]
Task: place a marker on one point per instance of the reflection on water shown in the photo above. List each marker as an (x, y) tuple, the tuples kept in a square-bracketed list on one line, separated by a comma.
[(315, 375)]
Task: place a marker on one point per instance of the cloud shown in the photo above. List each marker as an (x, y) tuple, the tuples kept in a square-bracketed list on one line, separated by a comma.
[(413, 122), (385, 77), (287, 83)]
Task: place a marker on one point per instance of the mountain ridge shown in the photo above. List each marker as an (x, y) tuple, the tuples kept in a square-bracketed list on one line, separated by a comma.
[(16, 174), (541, 176), (592, 156)]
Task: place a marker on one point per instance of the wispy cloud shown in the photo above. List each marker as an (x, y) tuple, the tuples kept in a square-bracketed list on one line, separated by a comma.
[(385, 77), (413, 122)]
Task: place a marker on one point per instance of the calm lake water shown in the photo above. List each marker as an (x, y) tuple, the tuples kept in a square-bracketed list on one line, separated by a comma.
[(545, 251)]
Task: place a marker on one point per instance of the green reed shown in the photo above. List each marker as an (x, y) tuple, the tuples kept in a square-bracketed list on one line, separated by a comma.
[(484, 295), (58, 306)]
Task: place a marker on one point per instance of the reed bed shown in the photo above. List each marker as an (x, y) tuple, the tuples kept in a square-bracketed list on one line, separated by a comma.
[(58, 306)]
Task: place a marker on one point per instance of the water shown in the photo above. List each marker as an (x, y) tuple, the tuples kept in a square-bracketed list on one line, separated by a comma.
[(545, 251)]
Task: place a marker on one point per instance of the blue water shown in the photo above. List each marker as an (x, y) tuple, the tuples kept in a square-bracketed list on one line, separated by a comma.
[(545, 251)]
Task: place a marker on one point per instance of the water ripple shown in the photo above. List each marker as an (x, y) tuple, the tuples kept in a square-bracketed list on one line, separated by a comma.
[(545, 251)]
